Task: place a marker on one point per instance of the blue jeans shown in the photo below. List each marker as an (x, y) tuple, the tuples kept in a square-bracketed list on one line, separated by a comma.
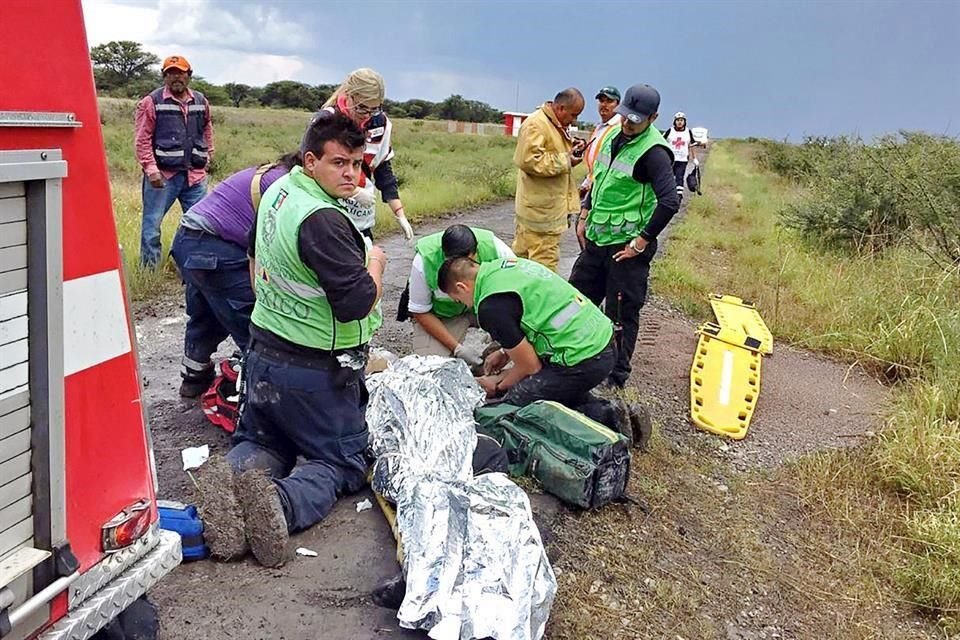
[(218, 293), (314, 412), (156, 203)]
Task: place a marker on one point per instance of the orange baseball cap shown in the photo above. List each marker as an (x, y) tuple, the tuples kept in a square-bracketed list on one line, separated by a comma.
[(175, 62)]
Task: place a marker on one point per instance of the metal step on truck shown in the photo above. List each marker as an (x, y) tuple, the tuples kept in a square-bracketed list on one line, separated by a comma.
[(79, 535)]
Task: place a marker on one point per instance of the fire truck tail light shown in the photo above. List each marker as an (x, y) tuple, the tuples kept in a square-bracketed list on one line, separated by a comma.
[(126, 527)]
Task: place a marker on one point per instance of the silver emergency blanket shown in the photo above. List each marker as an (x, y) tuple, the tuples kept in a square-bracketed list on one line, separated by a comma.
[(473, 559)]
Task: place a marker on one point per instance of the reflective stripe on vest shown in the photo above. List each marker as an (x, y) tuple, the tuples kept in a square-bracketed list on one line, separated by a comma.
[(293, 288), (178, 137), (595, 145)]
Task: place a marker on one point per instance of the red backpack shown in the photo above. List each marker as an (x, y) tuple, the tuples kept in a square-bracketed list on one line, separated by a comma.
[(221, 402)]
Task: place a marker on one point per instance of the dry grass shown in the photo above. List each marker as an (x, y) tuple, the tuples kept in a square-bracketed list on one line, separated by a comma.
[(897, 314), (438, 172), (805, 552)]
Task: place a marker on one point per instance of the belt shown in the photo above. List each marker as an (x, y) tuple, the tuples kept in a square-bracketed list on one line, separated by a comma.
[(313, 360)]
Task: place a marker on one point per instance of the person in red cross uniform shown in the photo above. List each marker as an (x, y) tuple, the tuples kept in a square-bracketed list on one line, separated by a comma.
[(682, 142)]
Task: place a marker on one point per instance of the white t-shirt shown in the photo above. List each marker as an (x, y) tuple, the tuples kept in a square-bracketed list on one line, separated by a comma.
[(679, 141), (421, 298)]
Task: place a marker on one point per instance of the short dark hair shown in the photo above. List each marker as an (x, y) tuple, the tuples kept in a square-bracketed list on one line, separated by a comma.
[(452, 270), (569, 97), (458, 241), (332, 126)]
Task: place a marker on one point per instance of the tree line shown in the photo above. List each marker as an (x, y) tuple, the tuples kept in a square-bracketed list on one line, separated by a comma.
[(123, 69)]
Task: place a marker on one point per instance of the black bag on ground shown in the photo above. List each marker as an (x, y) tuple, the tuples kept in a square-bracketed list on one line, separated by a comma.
[(580, 461), (693, 181)]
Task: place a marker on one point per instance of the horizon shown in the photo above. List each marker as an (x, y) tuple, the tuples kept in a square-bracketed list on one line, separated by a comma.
[(842, 68)]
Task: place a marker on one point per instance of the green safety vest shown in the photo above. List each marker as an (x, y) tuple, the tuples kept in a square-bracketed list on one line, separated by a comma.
[(290, 301), (621, 207), (560, 323), (431, 251)]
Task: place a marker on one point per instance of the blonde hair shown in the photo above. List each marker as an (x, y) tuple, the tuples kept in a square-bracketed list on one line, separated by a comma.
[(362, 86)]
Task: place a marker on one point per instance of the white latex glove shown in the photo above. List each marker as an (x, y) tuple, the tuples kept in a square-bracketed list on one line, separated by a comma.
[(471, 355), (696, 162), (364, 198), (405, 225)]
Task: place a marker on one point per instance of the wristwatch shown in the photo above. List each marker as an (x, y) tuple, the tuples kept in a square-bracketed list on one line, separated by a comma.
[(633, 245)]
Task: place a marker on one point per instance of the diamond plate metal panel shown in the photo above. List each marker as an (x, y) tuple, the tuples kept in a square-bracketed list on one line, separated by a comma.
[(107, 603), (110, 567)]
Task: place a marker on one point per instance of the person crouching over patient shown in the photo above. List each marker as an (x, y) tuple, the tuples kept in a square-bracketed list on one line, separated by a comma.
[(440, 323), (560, 343)]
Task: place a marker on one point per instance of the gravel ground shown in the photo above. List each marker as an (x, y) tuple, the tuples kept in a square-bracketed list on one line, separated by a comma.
[(807, 404)]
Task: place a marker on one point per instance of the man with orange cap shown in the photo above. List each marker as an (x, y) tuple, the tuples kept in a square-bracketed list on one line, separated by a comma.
[(174, 142)]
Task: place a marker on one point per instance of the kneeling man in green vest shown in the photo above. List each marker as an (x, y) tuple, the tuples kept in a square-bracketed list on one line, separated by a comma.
[(302, 435), (440, 322), (560, 343)]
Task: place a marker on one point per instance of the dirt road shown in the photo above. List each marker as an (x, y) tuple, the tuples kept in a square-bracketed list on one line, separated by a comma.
[(807, 404)]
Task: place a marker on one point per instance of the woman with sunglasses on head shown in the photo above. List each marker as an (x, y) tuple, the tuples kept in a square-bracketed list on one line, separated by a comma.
[(360, 98)]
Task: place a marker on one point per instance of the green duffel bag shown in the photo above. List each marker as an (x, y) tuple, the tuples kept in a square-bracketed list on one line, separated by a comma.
[(580, 461)]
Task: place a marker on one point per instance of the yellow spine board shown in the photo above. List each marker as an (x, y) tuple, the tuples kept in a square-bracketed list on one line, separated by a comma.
[(724, 387), (730, 336), (390, 513), (734, 313)]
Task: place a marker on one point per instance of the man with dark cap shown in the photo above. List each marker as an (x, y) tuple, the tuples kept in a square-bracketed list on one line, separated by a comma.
[(439, 322), (608, 99), (632, 199)]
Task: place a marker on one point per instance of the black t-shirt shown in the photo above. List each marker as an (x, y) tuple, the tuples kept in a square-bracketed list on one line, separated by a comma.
[(500, 315), (331, 246)]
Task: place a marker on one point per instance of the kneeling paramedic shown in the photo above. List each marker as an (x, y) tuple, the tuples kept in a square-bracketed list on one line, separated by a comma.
[(439, 322), (560, 343), (210, 249), (317, 284), (632, 199)]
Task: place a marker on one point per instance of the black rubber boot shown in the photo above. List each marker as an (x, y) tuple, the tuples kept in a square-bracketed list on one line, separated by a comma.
[(642, 425), (620, 419), (195, 381), (389, 593)]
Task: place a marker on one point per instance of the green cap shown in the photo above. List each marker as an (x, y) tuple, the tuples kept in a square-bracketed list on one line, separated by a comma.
[(610, 92)]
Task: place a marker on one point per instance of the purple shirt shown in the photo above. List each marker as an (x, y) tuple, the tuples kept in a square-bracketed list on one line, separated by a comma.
[(227, 211)]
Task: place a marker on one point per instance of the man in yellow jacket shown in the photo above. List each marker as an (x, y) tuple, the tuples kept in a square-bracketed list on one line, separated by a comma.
[(546, 192)]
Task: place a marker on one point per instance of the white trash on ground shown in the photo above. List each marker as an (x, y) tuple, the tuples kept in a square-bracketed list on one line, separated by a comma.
[(193, 457)]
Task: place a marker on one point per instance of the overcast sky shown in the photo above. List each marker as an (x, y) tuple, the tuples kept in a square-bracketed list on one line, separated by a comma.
[(775, 69)]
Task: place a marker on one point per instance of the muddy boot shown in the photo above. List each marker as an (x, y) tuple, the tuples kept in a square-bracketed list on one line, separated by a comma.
[(220, 509), (389, 593), (642, 425), (197, 377), (266, 526), (620, 419)]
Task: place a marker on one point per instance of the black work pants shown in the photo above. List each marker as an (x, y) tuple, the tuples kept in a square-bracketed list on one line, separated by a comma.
[(621, 289), (569, 386)]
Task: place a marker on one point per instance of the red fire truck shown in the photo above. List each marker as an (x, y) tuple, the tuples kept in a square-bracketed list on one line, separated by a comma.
[(79, 539)]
